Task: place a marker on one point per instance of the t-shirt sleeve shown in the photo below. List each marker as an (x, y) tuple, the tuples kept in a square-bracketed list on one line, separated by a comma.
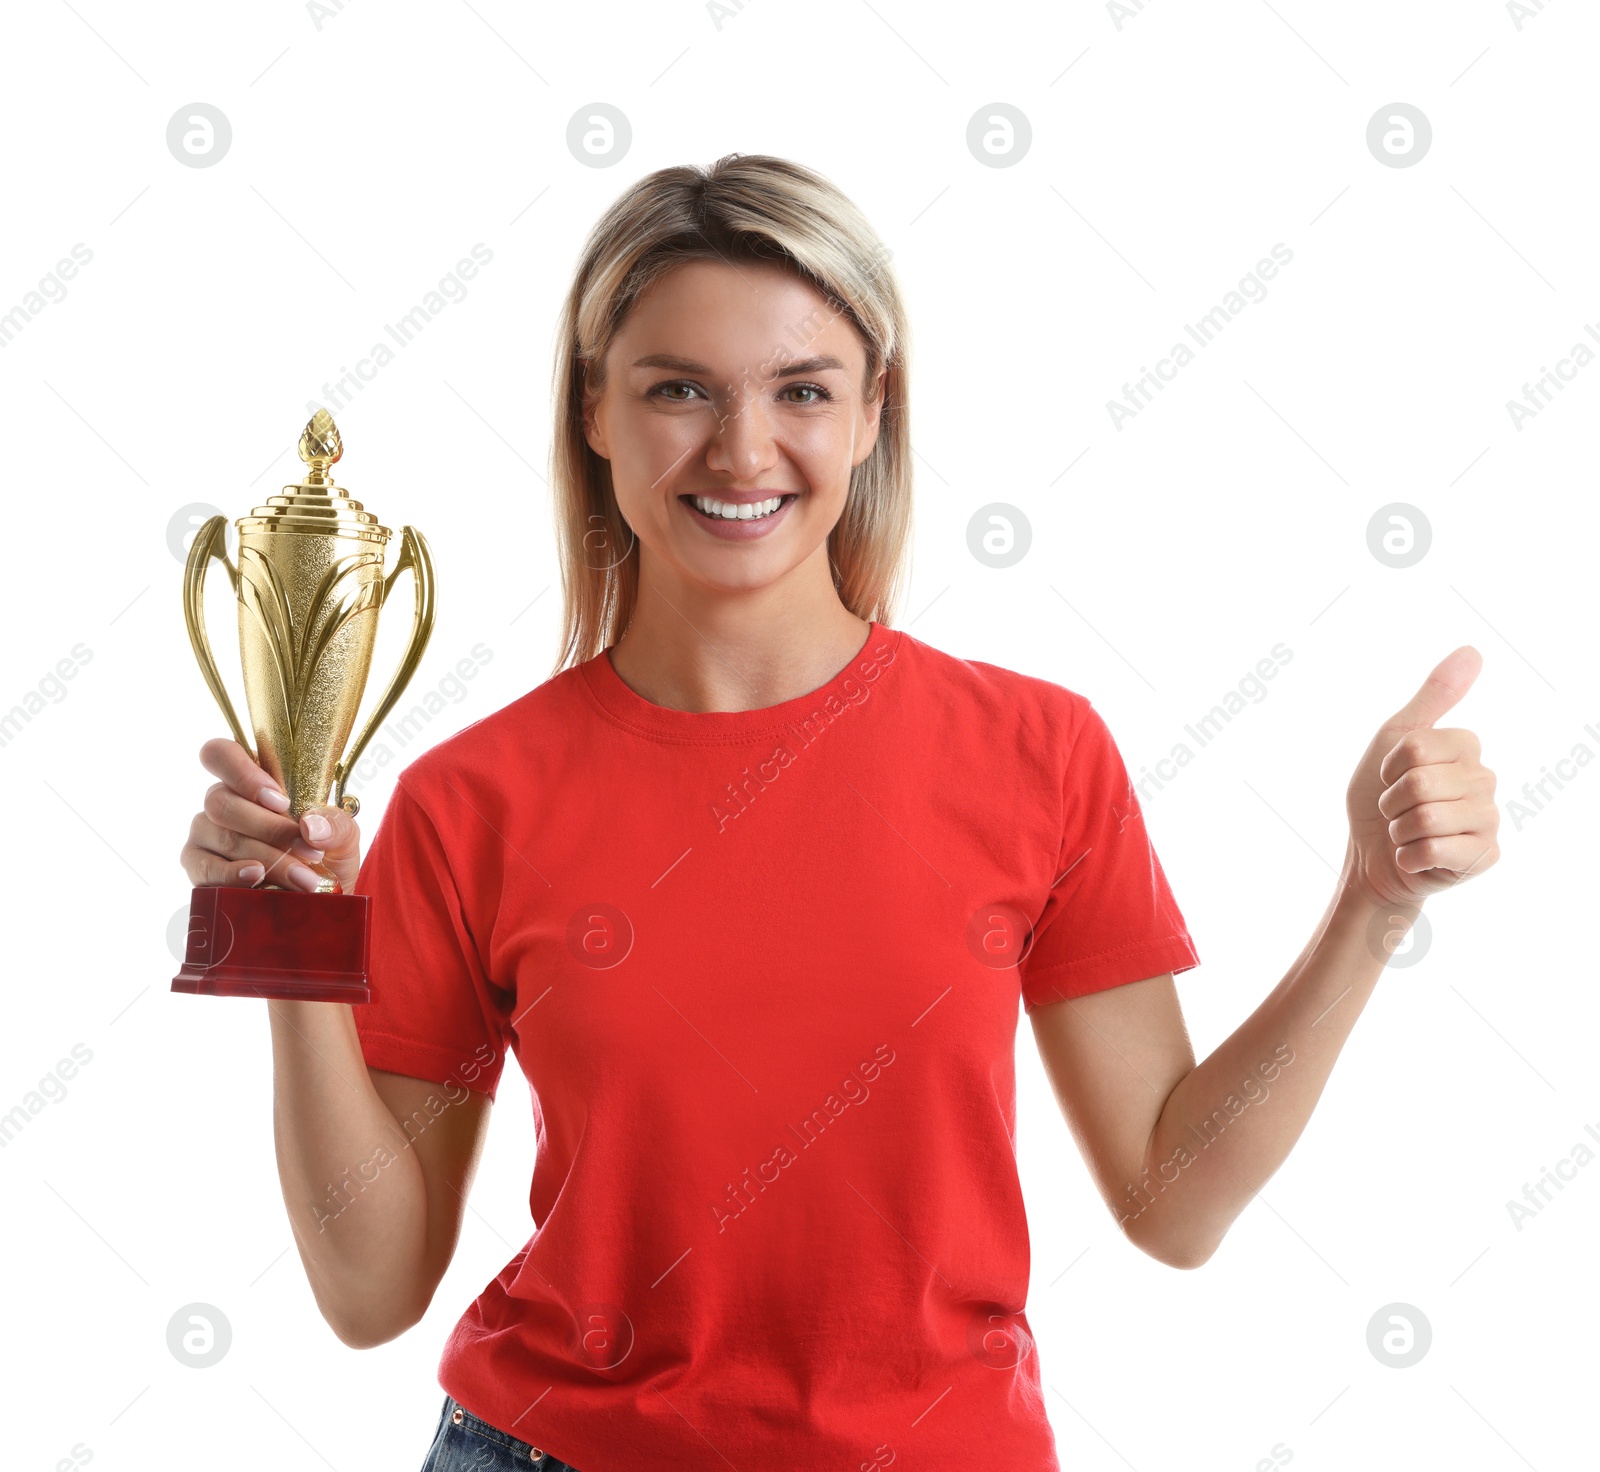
[(434, 1012), (1110, 917)]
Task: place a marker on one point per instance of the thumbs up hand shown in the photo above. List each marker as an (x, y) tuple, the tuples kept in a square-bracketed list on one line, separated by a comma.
[(1421, 805)]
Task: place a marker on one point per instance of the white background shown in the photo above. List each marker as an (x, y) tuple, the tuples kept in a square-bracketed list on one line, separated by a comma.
[(370, 152)]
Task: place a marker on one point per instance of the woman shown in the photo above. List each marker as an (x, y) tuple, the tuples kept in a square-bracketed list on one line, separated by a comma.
[(754, 887)]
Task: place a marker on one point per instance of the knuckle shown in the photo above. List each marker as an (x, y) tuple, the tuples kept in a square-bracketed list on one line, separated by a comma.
[(221, 754), (1413, 826), (1412, 788), (197, 865), (307, 853), (216, 801)]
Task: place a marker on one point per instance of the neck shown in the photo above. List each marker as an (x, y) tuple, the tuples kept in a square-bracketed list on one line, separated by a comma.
[(735, 653)]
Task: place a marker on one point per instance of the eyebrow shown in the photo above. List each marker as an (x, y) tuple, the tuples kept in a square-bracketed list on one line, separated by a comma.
[(688, 365)]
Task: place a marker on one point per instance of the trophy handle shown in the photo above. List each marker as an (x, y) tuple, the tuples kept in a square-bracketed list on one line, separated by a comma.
[(210, 541), (413, 554)]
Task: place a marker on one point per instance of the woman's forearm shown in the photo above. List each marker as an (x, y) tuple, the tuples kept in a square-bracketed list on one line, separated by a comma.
[(1230, 1122), (363, 1245)]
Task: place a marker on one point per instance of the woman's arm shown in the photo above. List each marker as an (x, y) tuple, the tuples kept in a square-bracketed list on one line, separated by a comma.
[(374, 1179), (1178, 1150)]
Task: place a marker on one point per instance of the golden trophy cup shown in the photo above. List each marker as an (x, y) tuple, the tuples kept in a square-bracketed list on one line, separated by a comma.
[(310, 584)]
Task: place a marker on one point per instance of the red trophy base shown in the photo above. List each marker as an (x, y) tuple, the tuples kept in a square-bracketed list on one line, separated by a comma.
[(282, 944)]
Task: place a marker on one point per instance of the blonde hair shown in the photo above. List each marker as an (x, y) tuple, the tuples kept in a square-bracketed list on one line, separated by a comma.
[(744, 208)]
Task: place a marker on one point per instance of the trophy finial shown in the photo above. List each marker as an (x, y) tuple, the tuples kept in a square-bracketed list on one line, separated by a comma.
[(320, 446)]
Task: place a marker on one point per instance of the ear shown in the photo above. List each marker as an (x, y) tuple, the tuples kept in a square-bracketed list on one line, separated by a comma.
[(592, 430), (872, 413)]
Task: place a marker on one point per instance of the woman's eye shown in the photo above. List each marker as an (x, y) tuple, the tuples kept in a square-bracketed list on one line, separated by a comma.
[(681, 391)]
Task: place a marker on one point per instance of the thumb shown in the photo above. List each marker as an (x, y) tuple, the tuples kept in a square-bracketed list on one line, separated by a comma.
[(332, 830), (1450, 679)]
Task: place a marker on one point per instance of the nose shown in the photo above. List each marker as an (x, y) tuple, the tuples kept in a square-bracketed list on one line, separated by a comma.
[(744, 443)]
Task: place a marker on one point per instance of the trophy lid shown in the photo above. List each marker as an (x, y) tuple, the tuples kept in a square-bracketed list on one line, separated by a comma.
[(316, 504)]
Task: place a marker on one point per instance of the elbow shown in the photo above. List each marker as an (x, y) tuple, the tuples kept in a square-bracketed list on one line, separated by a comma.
[(367, 1326), (365, 1334), (1188, 1260), (1182, 1254)]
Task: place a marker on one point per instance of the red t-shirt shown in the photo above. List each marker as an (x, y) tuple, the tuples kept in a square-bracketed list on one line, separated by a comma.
[(762, 970)]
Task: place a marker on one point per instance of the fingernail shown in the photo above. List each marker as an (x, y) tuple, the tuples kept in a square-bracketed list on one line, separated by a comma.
[(318, 828), (253, 873), (302, 878), (270, 797)]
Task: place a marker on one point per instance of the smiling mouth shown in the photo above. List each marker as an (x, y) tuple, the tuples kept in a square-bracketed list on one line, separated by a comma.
[(710, 507)]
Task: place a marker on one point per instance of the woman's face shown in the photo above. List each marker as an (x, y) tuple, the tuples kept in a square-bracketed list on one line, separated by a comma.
[(732, 417)]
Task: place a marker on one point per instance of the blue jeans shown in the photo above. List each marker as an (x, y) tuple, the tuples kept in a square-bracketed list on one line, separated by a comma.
[(463, 1443)]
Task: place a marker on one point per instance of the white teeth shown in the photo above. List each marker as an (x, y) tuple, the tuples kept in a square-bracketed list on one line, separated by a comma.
[(738, 510)]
